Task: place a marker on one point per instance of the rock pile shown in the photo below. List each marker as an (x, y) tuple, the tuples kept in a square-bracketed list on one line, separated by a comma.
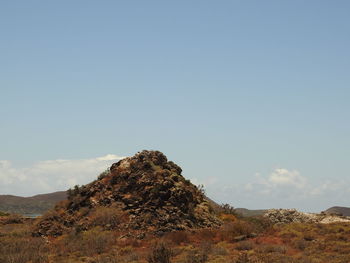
[(149, 192), (285, 216)]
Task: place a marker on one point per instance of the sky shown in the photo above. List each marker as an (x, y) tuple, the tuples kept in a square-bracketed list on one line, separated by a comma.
[(250, 98)]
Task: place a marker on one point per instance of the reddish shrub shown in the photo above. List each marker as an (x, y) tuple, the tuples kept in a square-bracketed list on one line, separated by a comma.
[(160, 254), (178, 237)]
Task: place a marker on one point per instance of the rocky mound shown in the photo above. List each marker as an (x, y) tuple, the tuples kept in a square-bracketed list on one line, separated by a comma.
[(285, 216), (142, 194)]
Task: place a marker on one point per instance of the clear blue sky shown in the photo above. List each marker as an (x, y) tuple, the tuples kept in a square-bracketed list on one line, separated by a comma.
[(227, 89)]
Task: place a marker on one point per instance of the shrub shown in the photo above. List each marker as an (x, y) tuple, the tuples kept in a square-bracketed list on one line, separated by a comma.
[(259, 223), (196, 256), (107, 217), (177, 237), (96, 241), (265, 249), (128, 254), (238, 228), (160, 254), (206, 234), (14, 219), (219, 250), (129, 242), (300, 244), (242, 258), (62, 205), (201, 189), (309, 237), (245, 245), (87, 243), (206, 246), (228, 218), (274, 258), (103, 174), (70, 193), (23, 250), (3, 213), (106, 259), (228, 209), (131, 257)]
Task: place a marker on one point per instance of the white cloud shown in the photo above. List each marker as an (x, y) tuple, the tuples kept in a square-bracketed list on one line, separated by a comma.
[(282, 188), (284, 177), (279, 178), (9, 175), (329, 186), (51, 175), (109, 157), (204, 181)]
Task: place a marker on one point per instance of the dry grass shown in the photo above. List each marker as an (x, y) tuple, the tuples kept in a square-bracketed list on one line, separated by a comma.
[(245, 245), (178, 237), (160, 253), (291, 243), (107, 217), (13, 219), (23, 250)]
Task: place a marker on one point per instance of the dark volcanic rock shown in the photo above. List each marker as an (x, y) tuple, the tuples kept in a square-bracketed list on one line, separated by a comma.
[(149, 192)]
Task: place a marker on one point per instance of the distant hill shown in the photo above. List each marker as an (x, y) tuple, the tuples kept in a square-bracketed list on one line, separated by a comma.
[(37, 204), (240, 211), (345, 211), (247, 212)]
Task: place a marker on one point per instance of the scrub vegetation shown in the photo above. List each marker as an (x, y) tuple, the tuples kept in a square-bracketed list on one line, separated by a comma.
[(237, 240)]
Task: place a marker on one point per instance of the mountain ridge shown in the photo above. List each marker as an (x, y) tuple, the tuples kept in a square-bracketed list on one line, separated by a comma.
[(340, 210), (36, 204)]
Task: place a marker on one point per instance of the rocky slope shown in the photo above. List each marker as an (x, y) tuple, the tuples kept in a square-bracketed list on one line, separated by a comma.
[(142, 194)]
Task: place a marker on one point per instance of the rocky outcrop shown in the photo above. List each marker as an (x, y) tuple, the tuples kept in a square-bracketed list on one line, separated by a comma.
[(285, 216), (149, 192)]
